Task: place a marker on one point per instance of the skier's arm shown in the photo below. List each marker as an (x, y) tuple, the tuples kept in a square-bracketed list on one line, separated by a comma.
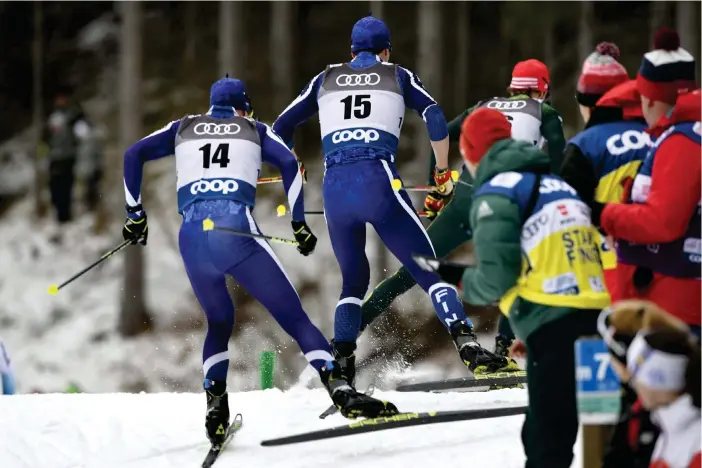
[(579, 172), (496, 224), (454, 134), (418, 99), (159, 144), (302, 108), (277, 154), (552, 131), (672, 200)]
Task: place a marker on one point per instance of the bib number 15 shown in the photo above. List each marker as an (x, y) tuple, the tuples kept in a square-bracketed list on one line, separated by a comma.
[(358, 105), (220, 155)]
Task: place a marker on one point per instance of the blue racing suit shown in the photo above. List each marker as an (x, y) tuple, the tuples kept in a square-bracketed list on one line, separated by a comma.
[(361, 106), (218, 160)]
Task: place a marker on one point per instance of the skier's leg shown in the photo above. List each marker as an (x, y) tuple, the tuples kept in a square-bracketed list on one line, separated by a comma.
[(447, 232), (209, 285), (402, 232), (264, 278)]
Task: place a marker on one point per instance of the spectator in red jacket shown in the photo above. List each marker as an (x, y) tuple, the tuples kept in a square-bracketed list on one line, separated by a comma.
[(659, 245)]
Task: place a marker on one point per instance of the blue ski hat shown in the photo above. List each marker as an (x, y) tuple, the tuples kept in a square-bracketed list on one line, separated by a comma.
[(369, 33), (230, 92)]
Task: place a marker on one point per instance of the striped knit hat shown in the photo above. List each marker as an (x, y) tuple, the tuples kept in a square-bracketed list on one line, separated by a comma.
[(666, 71), (530, 75), (601, 72)]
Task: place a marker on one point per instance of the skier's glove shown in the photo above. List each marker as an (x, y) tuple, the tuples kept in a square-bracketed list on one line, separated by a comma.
[(449, 272), (433, 204), (444, 183), (303, 235), (136, 229)]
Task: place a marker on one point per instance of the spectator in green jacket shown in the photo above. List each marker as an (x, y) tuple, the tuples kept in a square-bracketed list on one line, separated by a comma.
[(538, 255), (533, 121)]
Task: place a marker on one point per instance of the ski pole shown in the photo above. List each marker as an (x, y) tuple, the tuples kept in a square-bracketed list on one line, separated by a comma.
[(269, 180), (209, 225), (282, 211), (54, 288), (397, 185)]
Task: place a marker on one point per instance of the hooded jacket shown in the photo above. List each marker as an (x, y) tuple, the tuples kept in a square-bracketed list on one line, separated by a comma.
[(658, 234), (601, 162), (532, 235)]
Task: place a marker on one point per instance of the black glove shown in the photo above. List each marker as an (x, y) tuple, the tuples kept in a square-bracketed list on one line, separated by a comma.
[(136, 230), (303, 235), (596, 213), (449, 272)]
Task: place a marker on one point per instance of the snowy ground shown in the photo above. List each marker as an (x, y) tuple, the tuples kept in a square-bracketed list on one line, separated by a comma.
[(166, 431)]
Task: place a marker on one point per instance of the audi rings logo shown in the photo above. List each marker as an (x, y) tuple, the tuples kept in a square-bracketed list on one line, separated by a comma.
[(507, 105), (216, 129), (221, 186), (365, 79), (359, 135)]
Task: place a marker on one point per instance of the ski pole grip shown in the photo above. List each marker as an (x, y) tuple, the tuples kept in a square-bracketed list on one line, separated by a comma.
[(266, 368)]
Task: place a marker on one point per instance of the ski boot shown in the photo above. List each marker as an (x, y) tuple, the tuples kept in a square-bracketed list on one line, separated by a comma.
[(344, 355), (217, 416), (352, 404), (502, 345), (478, 359)]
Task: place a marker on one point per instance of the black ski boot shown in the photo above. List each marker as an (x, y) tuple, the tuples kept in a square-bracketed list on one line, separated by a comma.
[(478, 359), (217, 417), (351, 403), (344, 355)]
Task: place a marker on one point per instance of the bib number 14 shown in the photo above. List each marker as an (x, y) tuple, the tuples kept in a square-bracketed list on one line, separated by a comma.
[(220, 155)]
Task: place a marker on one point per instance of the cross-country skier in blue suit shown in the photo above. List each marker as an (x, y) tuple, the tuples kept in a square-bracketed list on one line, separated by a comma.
[(361, 106), (218, 160), (7, 377)]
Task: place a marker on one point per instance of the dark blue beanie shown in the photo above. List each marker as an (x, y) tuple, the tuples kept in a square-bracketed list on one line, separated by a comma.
[(230, 92), (370, 33)]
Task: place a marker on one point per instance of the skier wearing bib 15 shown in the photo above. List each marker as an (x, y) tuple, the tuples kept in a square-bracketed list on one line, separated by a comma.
[(538, 254), (218, 160), (533, 121), (361, 107)]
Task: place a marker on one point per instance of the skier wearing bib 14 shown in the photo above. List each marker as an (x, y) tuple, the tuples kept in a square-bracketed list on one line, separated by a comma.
[(218, 160), (361, 107), (533, 121)]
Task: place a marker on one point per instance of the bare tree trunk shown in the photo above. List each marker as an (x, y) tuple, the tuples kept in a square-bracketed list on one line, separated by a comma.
[(38, 108), (657, 17), (550, 53), (190, 22), (281, 52), (585, 45), (685, 21), (133, 318), (376, 8), (461, 84), (428, 63), (230, 39)]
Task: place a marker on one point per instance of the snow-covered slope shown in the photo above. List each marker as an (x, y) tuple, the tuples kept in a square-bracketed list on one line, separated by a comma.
[(166, 430)]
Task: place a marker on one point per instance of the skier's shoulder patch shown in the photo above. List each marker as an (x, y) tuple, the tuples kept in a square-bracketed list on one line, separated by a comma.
[(484, 210), (506, 179)]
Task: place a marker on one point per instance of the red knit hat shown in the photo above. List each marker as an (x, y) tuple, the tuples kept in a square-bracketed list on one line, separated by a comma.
[(666, 71), (600, 73), (530, 74), (482, 129)]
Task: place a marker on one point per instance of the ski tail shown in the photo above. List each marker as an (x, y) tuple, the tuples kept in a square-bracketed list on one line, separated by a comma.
[(493, 381), (216, 450), (395, 421)]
